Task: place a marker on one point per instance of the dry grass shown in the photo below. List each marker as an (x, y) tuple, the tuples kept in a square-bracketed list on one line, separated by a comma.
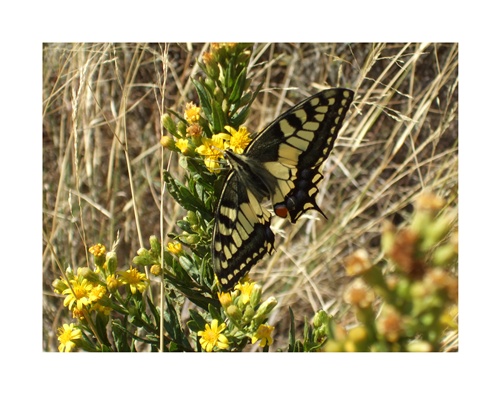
[(102, 162)]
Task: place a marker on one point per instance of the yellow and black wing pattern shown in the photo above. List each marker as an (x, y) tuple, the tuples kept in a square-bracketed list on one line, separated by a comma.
[(282, 164)]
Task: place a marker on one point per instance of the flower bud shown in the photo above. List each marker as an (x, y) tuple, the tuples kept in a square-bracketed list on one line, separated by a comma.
[(111, 261), (168, 123), (155, 245), (255, 295), (155, 269), (88, 274), (59, 286), (265, 308), (249, 313), (234, 313), (320, 318), (168, 142), (225, 299)]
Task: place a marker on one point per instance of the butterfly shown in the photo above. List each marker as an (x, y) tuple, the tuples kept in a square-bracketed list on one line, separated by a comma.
[(282, 164)]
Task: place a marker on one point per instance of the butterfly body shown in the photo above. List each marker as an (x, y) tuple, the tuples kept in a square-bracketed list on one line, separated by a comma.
[(282, 164)]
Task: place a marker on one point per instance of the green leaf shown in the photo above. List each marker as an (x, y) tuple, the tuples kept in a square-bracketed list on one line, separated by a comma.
[(238, 87), (214, 312), (154, 311), (196, 293), (205, 99), (173, 326), (197, 323), (219, 118), (188, 266), (184, 196), (239, 118)]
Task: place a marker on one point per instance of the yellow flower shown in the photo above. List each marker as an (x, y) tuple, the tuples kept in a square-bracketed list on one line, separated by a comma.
[(67, 334), (78, 293), (263, 334), (192, 113), (239, 139), (96, 293), (225, 299), (174, 248), (135, 279), (183, 145), (155, 269), (213, 150), (112, 283), (97, 250), (212, 338), (245, 291), (221, 141)]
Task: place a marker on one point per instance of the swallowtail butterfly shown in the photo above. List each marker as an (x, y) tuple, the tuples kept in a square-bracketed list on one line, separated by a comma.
[(282, 164)]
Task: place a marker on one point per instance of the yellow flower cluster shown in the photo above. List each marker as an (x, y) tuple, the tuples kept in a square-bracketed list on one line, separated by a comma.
[(90, 291), (246, 319), (213, 148), (193, 142)]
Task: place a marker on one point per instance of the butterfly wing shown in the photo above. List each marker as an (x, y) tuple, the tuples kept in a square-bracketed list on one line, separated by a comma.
[(242, 233), (282, 163), (293, 147)]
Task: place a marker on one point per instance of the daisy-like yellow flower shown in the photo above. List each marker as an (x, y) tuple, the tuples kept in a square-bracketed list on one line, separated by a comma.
[(192, 113), (78, 293), (263, 334), (213, 150), (97, 250), (67, 334), (96, 293), (212, 338), (135, 279), (245, 289), (183, 145), (239, 139), (174, 247)]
